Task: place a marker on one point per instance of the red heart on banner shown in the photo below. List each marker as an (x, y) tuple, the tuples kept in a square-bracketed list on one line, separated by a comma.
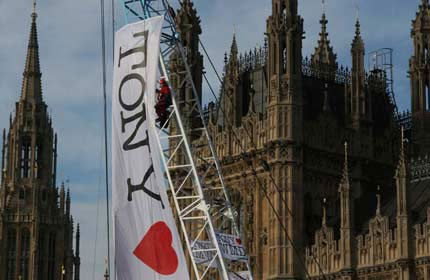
[(156, 251), (238, 241)]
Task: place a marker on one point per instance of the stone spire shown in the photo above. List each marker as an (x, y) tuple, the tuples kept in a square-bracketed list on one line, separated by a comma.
[(378, 201), (31, 85), (3, 151), (344, 183), (358, 43), (77, 260), (62, 198), (403, 209), (324, 52), (360, 105), (346, 211), (401, 179), (233, 49), (324, 213)]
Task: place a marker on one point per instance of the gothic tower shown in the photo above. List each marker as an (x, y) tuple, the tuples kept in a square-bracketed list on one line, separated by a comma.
[(285, 133), (419, 66), (190, 30), (36, 228)]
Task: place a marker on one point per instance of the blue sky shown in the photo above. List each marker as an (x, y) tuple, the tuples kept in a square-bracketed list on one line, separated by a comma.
[(69, 39)]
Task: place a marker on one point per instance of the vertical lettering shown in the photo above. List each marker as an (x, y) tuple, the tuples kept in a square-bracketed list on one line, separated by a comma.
[(143, 49), (141, 187), (131, 107)]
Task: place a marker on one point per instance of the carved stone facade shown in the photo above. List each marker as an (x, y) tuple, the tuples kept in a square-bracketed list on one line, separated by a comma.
[(36, 226), (280, 127)]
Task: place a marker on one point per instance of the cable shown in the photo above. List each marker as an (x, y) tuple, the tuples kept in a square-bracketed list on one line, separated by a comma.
[(113, 29), (264, 163), (103, 39), (98, 208)]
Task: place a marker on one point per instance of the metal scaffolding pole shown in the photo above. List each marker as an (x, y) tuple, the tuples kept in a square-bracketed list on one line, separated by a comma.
[(203, 208)]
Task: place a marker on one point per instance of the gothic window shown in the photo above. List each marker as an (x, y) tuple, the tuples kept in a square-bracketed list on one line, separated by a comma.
[(37, 161), (426, 96), (275, 57), (416, 95), (25, 158), (283, 11), (51, 256), (21, 194), (11, 254), (284, 58), (42, 256), (25, 254)]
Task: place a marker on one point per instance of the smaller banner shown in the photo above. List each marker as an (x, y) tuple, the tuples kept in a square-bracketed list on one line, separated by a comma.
[(231, 247), (242, 275)]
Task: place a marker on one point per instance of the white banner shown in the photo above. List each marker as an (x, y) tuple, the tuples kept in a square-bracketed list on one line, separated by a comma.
[(147, 244), (231, 248)]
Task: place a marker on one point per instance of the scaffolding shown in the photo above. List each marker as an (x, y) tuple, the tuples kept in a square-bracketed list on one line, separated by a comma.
[(204, 211), (382, 60)]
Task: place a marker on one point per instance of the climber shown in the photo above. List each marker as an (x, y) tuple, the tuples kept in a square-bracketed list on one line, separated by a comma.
[(164, 101)]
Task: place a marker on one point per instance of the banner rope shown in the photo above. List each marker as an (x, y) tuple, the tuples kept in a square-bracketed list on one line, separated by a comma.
[(103, 45)]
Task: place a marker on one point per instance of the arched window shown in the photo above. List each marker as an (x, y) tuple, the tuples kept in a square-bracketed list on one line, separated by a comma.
[(284, 58), (38, 162), (11, 255), (51, 256), (426, 96), (25, 254), (25, 158), (283, 11)]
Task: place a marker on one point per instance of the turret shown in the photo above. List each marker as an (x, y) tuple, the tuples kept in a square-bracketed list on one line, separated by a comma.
[(188, 23), (360, 102), (285, 32), (230, 98), (403, 206), (419, 65), (285, 129)]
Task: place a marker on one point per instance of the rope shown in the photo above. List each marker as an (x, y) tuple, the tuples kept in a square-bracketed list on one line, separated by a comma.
[(103, 41), (113, 59), (98, 208)]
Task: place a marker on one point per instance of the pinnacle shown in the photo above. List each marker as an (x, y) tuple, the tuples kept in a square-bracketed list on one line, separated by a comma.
[(31, 85), (324, 52), (345, 173)]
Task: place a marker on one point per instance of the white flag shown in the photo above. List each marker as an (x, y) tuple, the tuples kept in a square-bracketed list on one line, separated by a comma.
[(147, 244)]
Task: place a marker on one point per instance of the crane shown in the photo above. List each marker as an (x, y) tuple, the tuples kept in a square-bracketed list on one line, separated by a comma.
[(204, 211)]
